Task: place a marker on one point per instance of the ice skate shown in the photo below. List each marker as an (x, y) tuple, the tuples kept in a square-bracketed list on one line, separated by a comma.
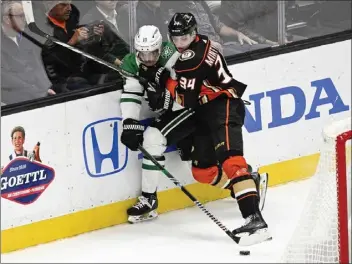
[(254, 231), (261, 183), (143, 210)]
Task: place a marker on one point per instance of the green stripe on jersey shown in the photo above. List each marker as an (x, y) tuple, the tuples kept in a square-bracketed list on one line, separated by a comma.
[(130, 100), (150, 167)]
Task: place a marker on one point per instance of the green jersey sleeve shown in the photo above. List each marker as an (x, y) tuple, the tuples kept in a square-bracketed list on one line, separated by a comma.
[(132, 93), (129, 65), (167, 51)]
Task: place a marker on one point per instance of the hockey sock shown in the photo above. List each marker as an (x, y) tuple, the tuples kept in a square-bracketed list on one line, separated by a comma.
[(243, 185), (151, 174), (246, 195)]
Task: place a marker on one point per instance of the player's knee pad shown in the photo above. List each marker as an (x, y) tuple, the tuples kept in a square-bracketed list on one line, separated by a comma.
[(154, 142), (205, 175), (212, 175), (240, 179), (235, 166)]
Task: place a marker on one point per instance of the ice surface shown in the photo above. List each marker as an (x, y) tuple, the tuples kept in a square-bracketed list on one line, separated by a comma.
[(181, 236)]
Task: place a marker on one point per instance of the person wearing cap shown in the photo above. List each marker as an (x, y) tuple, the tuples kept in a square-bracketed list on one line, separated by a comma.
[(66, 73)]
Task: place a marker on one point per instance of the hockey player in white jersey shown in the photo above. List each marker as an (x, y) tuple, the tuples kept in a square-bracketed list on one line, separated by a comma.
[(151, 52)]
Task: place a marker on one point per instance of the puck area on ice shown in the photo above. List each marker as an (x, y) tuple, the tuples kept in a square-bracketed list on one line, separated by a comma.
[(245, 252)]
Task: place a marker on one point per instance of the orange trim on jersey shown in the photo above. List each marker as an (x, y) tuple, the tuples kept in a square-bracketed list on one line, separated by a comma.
[(204, 55), (58, 23), (227, 124), (252, 194), (171, 85), (204, 90), (212, 92)]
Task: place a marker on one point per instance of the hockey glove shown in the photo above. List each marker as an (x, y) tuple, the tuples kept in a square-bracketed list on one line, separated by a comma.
[(155, 75), (132, 133), (185, 148), (159, 99)]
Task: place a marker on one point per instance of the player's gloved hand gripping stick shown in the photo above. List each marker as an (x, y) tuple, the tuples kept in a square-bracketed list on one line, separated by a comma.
[(27, 7)]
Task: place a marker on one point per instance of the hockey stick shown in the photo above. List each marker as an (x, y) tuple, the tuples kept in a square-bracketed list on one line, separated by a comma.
[(28, 12), (189, 195), (37, 43)]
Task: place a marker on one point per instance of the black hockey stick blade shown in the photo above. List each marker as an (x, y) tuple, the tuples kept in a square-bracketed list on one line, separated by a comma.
[(34, 28), (189, 195)]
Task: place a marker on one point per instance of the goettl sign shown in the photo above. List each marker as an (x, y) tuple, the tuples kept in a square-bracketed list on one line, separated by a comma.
[(23, 181)]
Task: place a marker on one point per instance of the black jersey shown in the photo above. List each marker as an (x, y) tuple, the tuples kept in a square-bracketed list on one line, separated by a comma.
[(202, 74)]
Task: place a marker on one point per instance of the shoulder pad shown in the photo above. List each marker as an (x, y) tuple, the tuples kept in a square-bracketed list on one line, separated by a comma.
[(203, 37), (168, 49), (192, 58), (167, 52)]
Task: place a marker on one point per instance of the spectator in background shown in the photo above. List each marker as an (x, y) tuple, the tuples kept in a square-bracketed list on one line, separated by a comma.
[(65, 73), (110, 47), (232, 41), (123, 17), (22, 74), (150, 13), (257, 19)]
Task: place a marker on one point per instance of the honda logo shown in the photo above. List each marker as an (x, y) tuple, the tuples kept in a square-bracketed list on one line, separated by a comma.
[(103, 152)]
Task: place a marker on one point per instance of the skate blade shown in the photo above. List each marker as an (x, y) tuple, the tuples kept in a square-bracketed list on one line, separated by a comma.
[(141, 218), (258, 237), (263, 186)]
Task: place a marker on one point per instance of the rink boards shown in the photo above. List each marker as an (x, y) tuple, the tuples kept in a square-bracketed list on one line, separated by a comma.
[(87, 179)]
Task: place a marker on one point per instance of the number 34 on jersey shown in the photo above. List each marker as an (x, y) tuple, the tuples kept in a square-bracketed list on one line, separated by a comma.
[(222, 75)]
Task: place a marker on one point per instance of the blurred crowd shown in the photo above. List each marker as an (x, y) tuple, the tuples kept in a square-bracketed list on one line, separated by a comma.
[(33, 67)]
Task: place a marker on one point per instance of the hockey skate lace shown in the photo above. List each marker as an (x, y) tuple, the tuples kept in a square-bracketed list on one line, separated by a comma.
[(142, 201), (248, 220)]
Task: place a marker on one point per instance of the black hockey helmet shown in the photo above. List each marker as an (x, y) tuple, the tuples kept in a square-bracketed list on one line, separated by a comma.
[(182, 24)]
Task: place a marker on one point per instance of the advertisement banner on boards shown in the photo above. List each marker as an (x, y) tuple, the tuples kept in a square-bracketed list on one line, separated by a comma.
[(24, 178)]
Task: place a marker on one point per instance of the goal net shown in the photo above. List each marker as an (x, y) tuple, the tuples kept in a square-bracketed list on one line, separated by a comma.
[(323, 233)]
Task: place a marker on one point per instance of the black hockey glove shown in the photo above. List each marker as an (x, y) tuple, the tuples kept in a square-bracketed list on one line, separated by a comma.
[(159, 99), (185, 148), (132, 133), (154, 74)]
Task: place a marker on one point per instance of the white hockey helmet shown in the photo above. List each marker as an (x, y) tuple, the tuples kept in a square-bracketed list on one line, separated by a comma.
[(147, 43)]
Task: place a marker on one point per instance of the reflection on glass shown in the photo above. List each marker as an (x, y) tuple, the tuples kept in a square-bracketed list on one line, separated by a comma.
[(37, 68), (308, 19), (22, 74), (106, 29)]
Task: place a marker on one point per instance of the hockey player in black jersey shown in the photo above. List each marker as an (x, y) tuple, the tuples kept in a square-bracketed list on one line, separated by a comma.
[(205, 85)]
